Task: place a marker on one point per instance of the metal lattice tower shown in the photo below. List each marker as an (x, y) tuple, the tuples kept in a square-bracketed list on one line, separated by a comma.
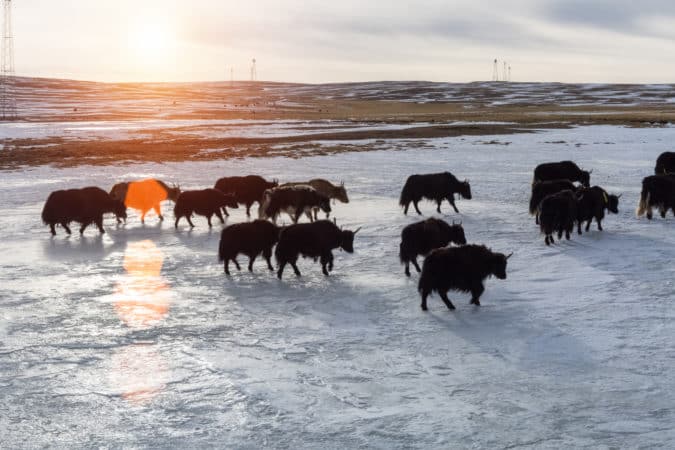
[(506, 74), (7, 99), (509, 72), (254, 73), (495, 71)]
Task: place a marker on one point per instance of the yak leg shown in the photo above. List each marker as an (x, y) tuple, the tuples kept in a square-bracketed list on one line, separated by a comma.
[(599, 220), (324, 261), (446, 300), (308, 213), (649, 213), (227, 214), (250, 263), (280, 272), (438, 206), (267, 254), (208, 219), (579, 226), (52, 229), (451, 200), (425, 293), (220, 216), (226, 265), (189, 219), (175, 225), (407, 268), (416, 208), (295, 267), (297, 215), (588, 225), (405, 208), (567, 233), (248, 209), (158, 211), (663, 210), (476, 292), (417, 267), (236, 263), (65, 227), (99, 224), (536, 218)]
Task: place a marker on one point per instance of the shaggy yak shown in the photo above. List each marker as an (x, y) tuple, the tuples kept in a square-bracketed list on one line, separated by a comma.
[(246, 190), (658, 191), (563, 170), (592, 203), (86, 206), (433, 186), (145, 195), (463, 269), (542, 189), (558, 213), (312, 240), (422, 237), (326, 188), (249, 238), (205, 202), (294, 200), (665, 163)]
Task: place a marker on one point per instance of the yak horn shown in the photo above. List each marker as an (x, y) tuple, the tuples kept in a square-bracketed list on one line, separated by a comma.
[(509, 255), (357, 230), (619, 196), (335, 220)]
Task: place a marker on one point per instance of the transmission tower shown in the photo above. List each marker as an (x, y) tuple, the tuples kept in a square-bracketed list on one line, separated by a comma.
[(7, 99), (509, 72), (254, 73), (506, 74), (495, 71)]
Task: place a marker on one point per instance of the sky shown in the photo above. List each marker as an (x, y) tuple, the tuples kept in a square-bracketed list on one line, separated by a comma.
[(317, 41)]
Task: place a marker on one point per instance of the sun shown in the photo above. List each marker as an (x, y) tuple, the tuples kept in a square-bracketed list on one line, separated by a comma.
[(152, 42)]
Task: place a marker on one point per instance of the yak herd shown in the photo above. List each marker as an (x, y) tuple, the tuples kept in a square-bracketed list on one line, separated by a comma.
[(556, 201)]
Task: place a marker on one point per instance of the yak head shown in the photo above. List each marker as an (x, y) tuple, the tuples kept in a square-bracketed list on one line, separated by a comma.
[(274, 183), (611, 202), (465, 189), (585, 178), (456, 233), (341, 193), (120, 209), (229, 201), (173, 192), (499, 265), (347, 240)]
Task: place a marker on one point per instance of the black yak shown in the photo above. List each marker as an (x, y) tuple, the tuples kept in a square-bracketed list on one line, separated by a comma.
[(312, 240), (563, 170), (461, 269), (665, 163), (542, 189), (592, 203), (658, 191), (205, 202), (326, 188), (250, 239), (422, 237), (293, 200), (246, 190), (433, 186), (558, 213), (85, 206), (145, 195)]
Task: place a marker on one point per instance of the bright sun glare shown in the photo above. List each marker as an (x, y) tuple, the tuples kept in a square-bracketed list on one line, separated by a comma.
[(152, 42)]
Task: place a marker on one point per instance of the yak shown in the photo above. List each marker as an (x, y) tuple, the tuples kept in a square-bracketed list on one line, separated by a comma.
[(246, 190), (294, 200), (145, 195), (249, 238), (665, 163), (463, 268), (433, 186), (205, 202), (541, 189), (326, 188), (558, 213), (563, 170), (658, 191), (85, 206), (592, 203), (422, 237), (312, 240)]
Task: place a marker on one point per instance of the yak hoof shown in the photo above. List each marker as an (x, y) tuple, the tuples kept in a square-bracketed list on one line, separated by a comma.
[(424, 308)]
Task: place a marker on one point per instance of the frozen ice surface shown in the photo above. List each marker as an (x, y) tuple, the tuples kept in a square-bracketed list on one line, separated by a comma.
[(136, 338)]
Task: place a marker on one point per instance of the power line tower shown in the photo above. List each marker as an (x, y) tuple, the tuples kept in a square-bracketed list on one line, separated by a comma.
[(7, 99), (506, 74), (254, 73), (495, 71), (509, 72)]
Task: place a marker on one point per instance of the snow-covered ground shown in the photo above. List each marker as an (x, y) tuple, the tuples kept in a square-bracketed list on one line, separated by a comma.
[(137, 338)]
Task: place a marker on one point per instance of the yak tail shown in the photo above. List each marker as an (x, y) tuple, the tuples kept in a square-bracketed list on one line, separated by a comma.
[(403, 253), (533, 206), (406, 194), (425, 279), (643, 205), (221, 249)]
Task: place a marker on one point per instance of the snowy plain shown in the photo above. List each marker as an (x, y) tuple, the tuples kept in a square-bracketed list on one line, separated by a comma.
[(136, 338)]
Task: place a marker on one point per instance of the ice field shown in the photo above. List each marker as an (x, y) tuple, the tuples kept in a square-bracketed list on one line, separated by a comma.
[(137, 338)]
